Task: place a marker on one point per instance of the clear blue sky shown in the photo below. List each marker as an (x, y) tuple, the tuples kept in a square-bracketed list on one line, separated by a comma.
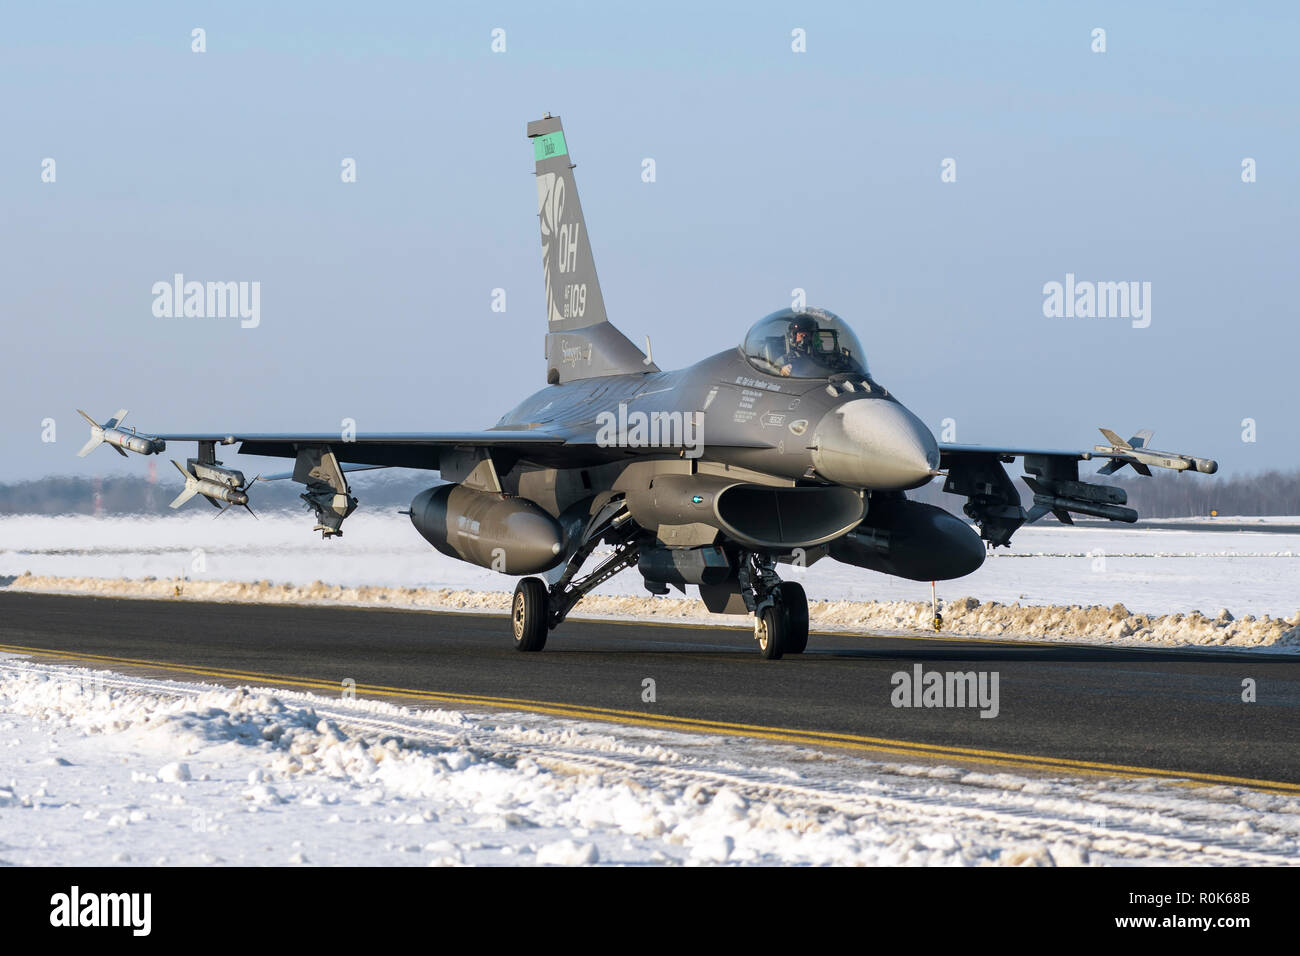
[(775, 170)]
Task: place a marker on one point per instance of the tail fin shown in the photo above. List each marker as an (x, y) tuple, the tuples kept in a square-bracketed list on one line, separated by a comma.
[(1137, 441), (96, 439), (1114, 439), (191, 486), (96, 436), (580, 341)]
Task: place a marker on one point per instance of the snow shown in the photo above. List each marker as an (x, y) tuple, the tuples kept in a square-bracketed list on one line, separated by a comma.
[(106, 769), (1110, 585), (1152, 571)]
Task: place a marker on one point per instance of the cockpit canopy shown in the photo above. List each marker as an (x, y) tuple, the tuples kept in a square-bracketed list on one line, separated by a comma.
[(804, 343)]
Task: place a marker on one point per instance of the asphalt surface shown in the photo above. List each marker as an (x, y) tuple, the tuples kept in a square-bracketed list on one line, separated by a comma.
[(1170, 711)]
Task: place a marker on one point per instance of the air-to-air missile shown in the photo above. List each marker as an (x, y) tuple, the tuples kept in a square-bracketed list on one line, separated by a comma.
[(112, 433), (212, 482), (1140, 455)]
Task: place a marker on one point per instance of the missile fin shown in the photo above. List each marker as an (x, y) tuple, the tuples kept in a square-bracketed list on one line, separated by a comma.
[(191, 486), (191, 489), (95, 441), (1115, 441), (116, 419)]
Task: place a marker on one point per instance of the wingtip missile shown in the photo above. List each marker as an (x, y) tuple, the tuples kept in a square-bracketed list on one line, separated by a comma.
[(120, 439), (1135, 452)]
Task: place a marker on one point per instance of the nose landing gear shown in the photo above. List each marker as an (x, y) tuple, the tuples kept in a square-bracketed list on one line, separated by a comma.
[(780, 608)]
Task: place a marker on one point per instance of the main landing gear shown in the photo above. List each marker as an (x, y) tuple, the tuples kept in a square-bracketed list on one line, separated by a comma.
[(780, 608), (536, 609), (528, 613)]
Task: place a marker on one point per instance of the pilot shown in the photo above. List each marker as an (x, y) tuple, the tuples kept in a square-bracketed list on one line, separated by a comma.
[(799, 338)]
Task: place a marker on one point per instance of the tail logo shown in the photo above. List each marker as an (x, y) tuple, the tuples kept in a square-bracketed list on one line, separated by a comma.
[(559, 251)]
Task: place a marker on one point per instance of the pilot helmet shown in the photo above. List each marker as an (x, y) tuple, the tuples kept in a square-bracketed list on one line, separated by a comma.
[(801, 323)]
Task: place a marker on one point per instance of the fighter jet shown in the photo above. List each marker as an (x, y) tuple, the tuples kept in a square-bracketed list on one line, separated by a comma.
[(784, 450)]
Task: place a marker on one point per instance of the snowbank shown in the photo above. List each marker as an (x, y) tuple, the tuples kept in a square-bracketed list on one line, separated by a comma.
[(965, 617), (103, 768), (1155, 572)]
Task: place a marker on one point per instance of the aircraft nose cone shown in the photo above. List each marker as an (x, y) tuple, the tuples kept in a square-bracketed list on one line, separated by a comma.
[(875, 444)]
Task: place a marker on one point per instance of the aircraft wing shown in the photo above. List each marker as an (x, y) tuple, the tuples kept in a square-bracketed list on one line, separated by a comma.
[(322, 460), (946, 449), (394, 449), (1052, 474), (425, 449)]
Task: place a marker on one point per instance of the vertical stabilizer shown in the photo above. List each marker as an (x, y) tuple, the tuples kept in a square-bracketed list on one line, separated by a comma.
[(580, 341)]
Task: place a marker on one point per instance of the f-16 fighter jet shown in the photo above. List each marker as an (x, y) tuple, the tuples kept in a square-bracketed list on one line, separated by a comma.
[(785, 449)]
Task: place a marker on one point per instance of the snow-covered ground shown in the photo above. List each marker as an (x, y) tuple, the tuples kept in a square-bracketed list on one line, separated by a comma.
[(100, 768), (103, 769), (1149, 571), (1103, 585)]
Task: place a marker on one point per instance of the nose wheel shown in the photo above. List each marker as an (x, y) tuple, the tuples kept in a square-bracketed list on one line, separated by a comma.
[(770, 631), (780, 607), (781, 626), (795, 605)]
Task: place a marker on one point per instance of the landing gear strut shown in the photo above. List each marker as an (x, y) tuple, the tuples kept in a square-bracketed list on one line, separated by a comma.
[(536, 609), (780, 608)]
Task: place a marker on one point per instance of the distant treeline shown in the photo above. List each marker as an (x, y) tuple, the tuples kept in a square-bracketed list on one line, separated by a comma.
[(1164, 495), (1171, 495)]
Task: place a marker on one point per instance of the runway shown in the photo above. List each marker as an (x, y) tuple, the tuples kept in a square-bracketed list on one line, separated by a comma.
[(1071, 708)]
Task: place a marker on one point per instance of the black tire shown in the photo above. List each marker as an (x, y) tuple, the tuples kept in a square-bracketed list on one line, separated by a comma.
[(795, 604), (529, 613), (770, 629)]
